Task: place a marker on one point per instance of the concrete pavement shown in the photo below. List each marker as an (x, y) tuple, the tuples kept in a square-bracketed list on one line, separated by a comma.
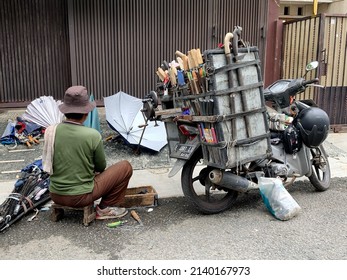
[(336, 146)]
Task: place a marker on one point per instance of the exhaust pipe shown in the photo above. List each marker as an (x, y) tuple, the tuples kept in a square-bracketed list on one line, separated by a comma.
[(231, 181)]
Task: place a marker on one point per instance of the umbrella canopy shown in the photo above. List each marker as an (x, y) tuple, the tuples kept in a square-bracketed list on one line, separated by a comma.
[(123, 114), (43, 111)]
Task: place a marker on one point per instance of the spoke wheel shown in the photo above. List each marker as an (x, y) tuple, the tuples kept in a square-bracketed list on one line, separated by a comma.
[(321, 176), (200, 192)]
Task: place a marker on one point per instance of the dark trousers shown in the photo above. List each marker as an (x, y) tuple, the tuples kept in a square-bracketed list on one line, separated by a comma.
[(110, 186)]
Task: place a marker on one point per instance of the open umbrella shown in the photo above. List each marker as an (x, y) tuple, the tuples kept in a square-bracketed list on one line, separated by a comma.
[(43, 111), (123, 114)]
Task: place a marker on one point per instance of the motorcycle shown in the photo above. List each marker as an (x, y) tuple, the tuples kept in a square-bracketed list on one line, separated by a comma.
[(298, 129)]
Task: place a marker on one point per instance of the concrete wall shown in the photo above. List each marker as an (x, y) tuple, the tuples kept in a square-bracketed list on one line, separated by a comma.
[(337, 7)]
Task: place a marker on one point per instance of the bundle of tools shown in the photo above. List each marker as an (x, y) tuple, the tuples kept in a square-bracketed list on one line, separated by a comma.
[(30, 192), (188, 80), (188, 73)]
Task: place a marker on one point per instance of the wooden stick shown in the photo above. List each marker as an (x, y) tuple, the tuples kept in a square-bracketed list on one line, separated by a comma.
[(15, 160), (23, 150), (10, 171), (173, 111)]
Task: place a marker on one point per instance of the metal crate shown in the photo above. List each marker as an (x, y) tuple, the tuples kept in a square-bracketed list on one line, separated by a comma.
[(242, 130)]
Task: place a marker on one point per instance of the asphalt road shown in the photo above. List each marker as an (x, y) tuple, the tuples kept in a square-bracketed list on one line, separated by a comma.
[(174, 230)]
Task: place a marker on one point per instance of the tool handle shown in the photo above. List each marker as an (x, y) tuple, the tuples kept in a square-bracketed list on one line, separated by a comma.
[(135, 216), (184, 59), (109, 138)]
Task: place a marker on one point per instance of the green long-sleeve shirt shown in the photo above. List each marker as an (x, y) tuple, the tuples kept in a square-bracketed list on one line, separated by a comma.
[(78, 154)]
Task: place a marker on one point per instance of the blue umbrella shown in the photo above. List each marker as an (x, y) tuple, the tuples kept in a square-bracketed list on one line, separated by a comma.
[(93, 120)]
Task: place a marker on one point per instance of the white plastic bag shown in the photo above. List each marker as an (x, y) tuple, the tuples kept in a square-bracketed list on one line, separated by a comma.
[(277, 199)]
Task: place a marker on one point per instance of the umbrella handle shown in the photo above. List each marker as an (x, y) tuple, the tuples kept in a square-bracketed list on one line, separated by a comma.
[(227, 40)]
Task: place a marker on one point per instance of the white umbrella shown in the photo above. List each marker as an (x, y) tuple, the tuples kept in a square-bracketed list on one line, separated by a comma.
[(123, 114), (43, 111)]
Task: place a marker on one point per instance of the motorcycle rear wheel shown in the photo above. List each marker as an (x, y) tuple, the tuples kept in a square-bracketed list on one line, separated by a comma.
[(321, 175), (206, 199)]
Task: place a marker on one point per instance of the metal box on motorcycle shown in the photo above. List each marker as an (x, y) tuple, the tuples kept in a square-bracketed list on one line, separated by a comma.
[(242, 129)]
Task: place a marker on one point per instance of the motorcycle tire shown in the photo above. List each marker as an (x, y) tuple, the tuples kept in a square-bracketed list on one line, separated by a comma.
[(321, 175), (205, 200)]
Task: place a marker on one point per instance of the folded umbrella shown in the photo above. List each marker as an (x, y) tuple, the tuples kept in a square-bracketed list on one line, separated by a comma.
[(93, 120)]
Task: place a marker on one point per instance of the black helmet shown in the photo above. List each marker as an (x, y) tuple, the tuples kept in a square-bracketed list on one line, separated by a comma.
[(313, 124)]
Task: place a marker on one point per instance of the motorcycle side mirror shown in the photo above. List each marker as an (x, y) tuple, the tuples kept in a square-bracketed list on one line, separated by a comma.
[(312, 65)]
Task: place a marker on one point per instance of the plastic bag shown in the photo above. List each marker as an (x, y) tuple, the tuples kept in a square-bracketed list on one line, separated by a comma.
[(277, 199)]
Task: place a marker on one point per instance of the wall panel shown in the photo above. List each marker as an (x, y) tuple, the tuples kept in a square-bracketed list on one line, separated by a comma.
[(34, 50)]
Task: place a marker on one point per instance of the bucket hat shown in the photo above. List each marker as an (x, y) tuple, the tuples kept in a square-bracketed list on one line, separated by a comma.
[(76, 100)]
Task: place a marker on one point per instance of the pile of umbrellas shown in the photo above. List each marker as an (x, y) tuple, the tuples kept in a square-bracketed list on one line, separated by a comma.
[(27, 129), (30, 192), (123, 114)]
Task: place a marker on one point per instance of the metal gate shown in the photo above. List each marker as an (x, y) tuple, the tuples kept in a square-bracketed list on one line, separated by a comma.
[(109, 45), (322, 38), (118, 45)]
